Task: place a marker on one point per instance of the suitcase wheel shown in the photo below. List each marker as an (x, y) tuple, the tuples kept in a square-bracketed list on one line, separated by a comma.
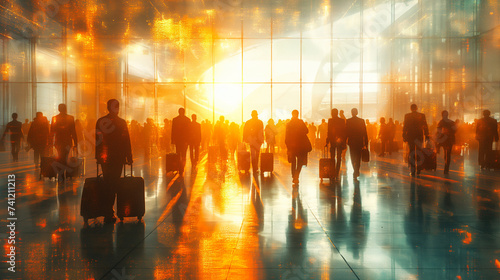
[(139, 218)]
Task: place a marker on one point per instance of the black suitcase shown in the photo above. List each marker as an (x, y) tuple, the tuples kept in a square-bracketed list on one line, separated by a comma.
[(172, 162), (243, 160), (130, 201), (75, 165), (93, 195), (430, 161), (266, 162), (49, 167), (325, 165)]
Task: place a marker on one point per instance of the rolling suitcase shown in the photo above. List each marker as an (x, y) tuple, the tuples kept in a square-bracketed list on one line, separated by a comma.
[(48, 167), (266, 162), (325, 165), (130, 201), (243, 160), (93, 195), (430, 161), (74, 165), (172, 162)]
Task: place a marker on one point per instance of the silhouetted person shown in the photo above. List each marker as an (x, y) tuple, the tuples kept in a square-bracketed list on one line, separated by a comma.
[(297, 144), (391, 127), (180, 136), (322, 133), (357, 139), (113, 150), (194, 141), (384, 134), (336, 138), (341, 115), (219, 135), (446, 129), (148, 136), (38, 136), (270, 131), (253, 134), (486, 133), (14, 128), (414, 130), (64, 130)]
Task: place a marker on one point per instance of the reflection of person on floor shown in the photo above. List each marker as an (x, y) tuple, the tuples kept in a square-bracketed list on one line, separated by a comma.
[(38, 136), (357, 139), (113, 150), (64, 130), (296, 240), (253, 134), (360, 221), (180, 136), (336, 138), (297, 144), (194, 140), (445, 138), (414, 130), (486, 133), (14, 128)]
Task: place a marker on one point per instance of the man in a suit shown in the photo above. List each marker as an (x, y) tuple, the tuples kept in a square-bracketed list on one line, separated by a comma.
[(486, 133), (64, 130), (195, 140), (357, 139), (336, 138), (112, 151), (253, 134), (415, 130), (180, 136)]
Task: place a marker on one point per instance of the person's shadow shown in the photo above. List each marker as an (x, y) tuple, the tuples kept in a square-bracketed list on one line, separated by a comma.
[(360, 223)]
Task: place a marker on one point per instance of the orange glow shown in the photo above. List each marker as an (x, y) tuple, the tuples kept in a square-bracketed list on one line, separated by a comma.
[(5, 70), (42, 223), (497, 264), (468, 237)]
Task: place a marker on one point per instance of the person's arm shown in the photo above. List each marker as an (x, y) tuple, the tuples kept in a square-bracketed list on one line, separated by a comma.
[(365, 135), (425, 127)]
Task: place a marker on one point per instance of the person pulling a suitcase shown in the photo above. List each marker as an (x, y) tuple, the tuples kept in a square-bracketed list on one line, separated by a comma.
[(113, 150), (180, 136), (16, 135), (298, 145), (38, 136), (336, 137), (446, 138), (415, 129), (253, 134), (64, 131)]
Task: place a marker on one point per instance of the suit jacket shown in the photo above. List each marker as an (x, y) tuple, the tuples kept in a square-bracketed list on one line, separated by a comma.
[(336, 131), (38, 135), (63, 129), (296, 140), (357, 136), (112, 140), (486, 129), (415, 127), (181, 130), (253, 132), (195, 133)]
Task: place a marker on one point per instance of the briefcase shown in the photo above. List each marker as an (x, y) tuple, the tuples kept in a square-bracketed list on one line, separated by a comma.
[(430, 161), (266, 162), (325, 165), (172, 162), (365, 155), (130, 200), (48, 167)]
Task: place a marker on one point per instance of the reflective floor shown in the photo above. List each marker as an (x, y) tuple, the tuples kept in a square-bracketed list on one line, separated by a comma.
[(219, 224)]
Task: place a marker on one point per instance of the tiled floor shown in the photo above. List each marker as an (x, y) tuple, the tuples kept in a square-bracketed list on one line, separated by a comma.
[(219, 224)]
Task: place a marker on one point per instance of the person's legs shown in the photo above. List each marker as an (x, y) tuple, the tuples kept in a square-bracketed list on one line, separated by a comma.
[(182, 152), (111, 173), (339, 160), (333, 152), (293, 162), (447, 158), (14, 148), (488, 153), (481, 154), (412, 157), (196, 153), (191, 154), (356, 160), (36, 156), (383, 143)]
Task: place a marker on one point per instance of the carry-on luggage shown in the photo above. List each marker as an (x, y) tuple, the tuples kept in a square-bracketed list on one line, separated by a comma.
[(243, 160), (48, 167), (93, 196), (172, 162), (75, 165), (130, 201), (429, 162), (325, 165), (266, 162), (365, 155)]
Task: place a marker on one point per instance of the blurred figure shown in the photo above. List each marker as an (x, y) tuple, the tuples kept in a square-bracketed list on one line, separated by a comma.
[(384, 134), (445, 137), (38, 137), (357, 139), (64, 131), (322, 133), (148, 136), (113, 149), (253, 134), (297, 144), (219, 135), (391, 127), (271, 131), (486, 133), (312, 133), (181, 136), (233, 137), (26, 128), (336, 138), (341, 115), (414, 131), (14, 128), (194, 141)]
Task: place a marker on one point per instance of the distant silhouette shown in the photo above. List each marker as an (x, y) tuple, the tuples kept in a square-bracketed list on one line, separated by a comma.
[(357, 139), (181, 136), (384, 134), (38, 136), (391, 127), (336, 137), (297, 144), (486, 133), (271, 131), (445, 138), (414, 130), (322, 133), (253, 134), (220, 134), (194, 140), (113, 150), (14, 128), (64, 131)]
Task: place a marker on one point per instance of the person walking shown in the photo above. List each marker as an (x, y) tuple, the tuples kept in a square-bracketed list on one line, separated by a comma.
[(384, 134), (357, 139), (14, 129), (486, 133), (446, 129), (297, 144), (253, 134), (336, 137), (38, 137), (194, 141), (113, 150), (180, 136), (415, 130), (64, 131)]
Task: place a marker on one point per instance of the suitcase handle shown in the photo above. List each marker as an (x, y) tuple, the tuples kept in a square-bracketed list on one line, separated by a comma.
[(131, 170), (98, 175), (326, 152)]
